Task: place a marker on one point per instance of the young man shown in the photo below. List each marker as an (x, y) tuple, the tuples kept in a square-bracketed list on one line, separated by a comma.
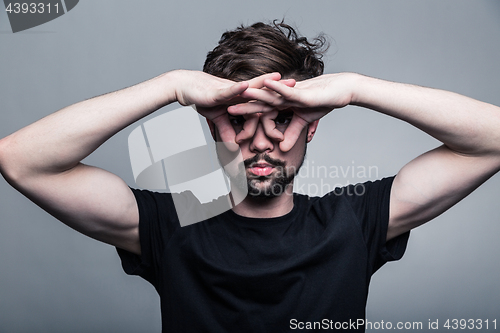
[(277, 260)]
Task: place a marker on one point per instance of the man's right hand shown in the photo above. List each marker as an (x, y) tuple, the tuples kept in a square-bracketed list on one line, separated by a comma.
[(212, 95)]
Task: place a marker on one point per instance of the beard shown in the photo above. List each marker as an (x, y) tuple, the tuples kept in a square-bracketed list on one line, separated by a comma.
[(274, 184), (271, 185)]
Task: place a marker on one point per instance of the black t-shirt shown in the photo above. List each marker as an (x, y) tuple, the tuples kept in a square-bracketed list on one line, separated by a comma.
[(236, 274)]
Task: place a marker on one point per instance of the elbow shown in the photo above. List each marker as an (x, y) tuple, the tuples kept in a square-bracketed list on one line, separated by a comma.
[(7, 168), (495, 148), (3, 155), (493, 154)]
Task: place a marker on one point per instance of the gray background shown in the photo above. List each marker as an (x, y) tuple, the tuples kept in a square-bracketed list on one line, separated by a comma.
[(52, 279)]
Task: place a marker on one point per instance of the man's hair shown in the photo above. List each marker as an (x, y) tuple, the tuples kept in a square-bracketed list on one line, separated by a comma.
[(247, 52)]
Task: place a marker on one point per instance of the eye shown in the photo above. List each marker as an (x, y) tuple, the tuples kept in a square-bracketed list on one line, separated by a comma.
[(236, 120), (283, 118)]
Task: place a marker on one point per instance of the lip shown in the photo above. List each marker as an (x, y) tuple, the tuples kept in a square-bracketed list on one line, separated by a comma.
[(261, 169)]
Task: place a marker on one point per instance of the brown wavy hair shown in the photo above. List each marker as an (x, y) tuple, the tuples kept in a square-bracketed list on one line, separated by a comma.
[(247, 52)]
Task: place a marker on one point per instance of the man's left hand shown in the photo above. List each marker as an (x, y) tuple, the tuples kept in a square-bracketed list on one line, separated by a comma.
[(310, 100)]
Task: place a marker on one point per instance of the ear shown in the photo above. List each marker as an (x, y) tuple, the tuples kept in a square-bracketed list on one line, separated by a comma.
[(311, 130), (213, 130)]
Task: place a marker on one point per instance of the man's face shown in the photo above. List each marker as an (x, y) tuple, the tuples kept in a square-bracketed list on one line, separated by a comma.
[(269, 171)]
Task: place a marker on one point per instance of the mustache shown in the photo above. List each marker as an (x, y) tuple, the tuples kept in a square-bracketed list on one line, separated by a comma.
[(259, 157)]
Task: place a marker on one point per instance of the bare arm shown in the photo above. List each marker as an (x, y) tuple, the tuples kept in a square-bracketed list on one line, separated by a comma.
[(42, 160), (438, 179)]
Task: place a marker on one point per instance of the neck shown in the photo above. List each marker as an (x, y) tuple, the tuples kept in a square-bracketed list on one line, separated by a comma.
[(258, 207)]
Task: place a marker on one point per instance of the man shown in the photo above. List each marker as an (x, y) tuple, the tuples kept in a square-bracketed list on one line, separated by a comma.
[(277, 261)]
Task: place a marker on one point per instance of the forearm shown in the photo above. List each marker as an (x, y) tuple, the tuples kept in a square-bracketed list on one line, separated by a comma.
[(464, 125), (61, 140)]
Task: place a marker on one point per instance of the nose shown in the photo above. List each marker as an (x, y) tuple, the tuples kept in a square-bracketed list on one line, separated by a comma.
[(260, 142)]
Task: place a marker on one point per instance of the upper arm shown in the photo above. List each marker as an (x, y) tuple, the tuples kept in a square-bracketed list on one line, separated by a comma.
[(90, 200), (432, 183)]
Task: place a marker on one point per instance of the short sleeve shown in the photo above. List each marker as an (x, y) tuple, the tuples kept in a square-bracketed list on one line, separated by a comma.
[(157, 223), (370, 202)]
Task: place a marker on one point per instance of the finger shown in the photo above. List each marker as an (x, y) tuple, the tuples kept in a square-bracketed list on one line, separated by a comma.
[(267, 121), (249, 128), (226, 131), (249, 108), (231, 92), (263, 95), (258, 82), (255, 88), (289, 82), (292, 133), (284, 90)]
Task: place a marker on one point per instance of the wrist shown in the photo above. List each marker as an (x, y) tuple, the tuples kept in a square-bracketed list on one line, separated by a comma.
[(357, 84), (181, 81), (168, 83)]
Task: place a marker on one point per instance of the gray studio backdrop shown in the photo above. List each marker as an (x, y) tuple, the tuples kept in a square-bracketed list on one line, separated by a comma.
[(53, 279)]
